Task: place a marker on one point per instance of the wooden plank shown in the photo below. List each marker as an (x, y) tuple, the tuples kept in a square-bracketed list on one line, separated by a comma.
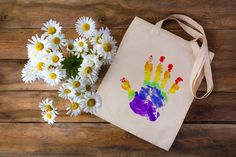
[(72, 139), (10, 72), (13, 41), (116, 13), (23, 107)]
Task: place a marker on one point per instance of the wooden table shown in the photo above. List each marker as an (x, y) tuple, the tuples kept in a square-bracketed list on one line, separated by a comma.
[(208, 130)]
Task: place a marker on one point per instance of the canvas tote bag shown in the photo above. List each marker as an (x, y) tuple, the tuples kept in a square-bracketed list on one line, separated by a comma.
[(153, 79)]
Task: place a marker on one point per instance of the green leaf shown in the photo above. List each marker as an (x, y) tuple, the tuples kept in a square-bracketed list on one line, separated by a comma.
[(71, 64)]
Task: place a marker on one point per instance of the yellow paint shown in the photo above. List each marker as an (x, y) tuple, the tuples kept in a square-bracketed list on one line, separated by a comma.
[(173, 89), (148, 70), (165, 79), (157, 77)]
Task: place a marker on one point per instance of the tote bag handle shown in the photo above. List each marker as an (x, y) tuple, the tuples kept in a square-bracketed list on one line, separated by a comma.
[(202, 61)]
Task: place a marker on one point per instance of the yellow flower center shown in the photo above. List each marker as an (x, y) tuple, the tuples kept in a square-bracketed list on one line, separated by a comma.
[(88, 88), (49, 116), (53, 76), (40, 65), (85, 27), (48, 108), (76, 84), (39, 46), (100, 58), (67, 91), (56, 40), (70, 46), (80, 44), (74, 106), (49, 50), (77, 93), (107, 47), (91, 102), (88, 70), (55, 59), (51, 30), (97, 39)]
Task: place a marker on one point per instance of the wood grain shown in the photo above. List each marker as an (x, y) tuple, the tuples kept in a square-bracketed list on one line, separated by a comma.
[(13, 41), (73, 139), (115, 13), (22, 132), (10, 70), (23, 107)]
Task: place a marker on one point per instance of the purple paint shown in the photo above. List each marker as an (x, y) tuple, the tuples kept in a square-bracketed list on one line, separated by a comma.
[(147, 101), (144, 107)]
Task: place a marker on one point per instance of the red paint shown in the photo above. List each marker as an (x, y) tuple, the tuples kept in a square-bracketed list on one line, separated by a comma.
[(170, 66), (179, 79), (123, 80), (162, 58)]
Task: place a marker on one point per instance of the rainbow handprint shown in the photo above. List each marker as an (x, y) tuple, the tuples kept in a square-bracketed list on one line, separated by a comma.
[(152, 95)]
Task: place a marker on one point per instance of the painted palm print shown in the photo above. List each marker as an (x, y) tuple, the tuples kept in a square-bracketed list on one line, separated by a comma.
[(153, 95)]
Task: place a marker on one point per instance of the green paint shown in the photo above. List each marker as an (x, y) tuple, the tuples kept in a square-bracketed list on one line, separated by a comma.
[(156, 85), (131, 95)]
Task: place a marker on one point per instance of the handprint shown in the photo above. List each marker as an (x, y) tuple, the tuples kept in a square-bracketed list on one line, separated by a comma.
[(152, 95)]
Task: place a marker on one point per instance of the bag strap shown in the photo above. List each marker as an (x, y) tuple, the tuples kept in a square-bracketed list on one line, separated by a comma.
[(202, 54)]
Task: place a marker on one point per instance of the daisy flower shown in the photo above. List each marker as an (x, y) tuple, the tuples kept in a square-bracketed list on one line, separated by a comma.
[(88, 86), (55, 58), (57, 41), (51, 27), (39, 66), (28, 73), (92, 102), (98, 58), (48, 66), (105, 31), (74, 107), (79, 93), (81, 45), (76, 83), (49, 50), (93, 59), (47, 106), (88, 71), (90, 58), (85, 26), (49, 117), (52, 76), (107, 48), (70, 46), (97, 35), (37, 46), (63, 71), (66, 91)]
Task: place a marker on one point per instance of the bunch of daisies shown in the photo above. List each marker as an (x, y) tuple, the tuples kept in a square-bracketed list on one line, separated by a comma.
[(74, 64)]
